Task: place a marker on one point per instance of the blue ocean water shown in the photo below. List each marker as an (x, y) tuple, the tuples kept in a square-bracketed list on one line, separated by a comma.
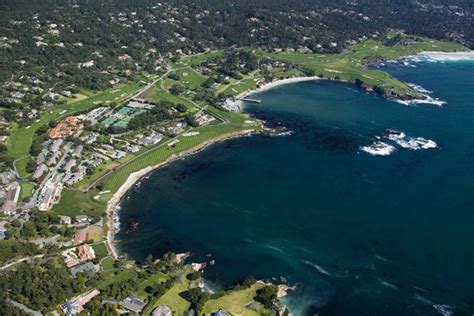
[(359, 234)]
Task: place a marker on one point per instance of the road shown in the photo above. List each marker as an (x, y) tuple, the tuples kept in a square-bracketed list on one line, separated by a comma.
[(24, 308), (20, 260)]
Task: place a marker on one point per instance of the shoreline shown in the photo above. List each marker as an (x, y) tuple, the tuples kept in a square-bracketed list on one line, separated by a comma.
[(447, 56), (270, 85), (134, 177)]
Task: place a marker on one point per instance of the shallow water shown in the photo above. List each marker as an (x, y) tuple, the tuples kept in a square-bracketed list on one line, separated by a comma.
[(360, 234)]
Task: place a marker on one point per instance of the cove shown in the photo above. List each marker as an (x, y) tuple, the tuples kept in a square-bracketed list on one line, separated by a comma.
[(360, 234)]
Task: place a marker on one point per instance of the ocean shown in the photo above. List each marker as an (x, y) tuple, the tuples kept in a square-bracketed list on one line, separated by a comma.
[(360, 233)]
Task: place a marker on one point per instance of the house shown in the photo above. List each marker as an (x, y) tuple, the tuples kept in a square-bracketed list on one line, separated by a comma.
[(66, 128), (133, 304), (39, 171), (85, 252), (3, 230), (80, 237), (11, 198), (65, 220), (76, 305), (162, 311), (85, 267), (82, 218), (220, 312), (118, 154)]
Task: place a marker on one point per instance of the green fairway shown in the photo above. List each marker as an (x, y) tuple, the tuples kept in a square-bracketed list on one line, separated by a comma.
[(190, 78), (75, 203), (157, 94), (200, 58)]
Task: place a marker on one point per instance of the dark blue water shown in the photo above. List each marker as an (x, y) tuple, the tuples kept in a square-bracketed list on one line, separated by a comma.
[(360, 234)]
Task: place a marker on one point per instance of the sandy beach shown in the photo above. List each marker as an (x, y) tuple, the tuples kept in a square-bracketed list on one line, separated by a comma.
[(274, 84), (136, 176), (448, 56)]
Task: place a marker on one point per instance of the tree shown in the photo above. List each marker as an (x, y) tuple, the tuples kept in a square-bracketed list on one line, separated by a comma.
[(267, 295), (176, 89), (191, 120)]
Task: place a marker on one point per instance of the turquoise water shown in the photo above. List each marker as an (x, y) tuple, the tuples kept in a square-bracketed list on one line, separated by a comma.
[(359, 234)]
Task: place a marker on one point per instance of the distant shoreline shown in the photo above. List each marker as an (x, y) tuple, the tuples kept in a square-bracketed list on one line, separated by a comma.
[(468, 55), (277, 83)]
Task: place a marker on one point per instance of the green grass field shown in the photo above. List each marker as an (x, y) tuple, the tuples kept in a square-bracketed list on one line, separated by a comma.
[(190, 78), (156, 278), (107, 264), (75, 203), (26, 190), (172, 299), (100, 250), (234, 302)]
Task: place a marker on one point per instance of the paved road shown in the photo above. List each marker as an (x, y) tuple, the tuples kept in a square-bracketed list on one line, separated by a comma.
[(20, 260), (24, 308)]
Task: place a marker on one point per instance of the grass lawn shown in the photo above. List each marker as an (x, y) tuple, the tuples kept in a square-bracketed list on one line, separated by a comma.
[(26, 190), (200, 58), (156, 278), (190, 78), (100, 250), (171, 298), (157, 94), (111, 277), (107, 264), (21, 164), (75, 203), (96, 233), (234, 302)]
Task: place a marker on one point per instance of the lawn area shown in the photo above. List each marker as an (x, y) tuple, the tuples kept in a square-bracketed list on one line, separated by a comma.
[(247, 83), (201, 58), (96, 233), (234, 302), (190, 78), (111, 277), (157, 94), (107, 264), (21, 164), (155, 278), (171, 298), (100, 250), (26, 190), (75, 203)]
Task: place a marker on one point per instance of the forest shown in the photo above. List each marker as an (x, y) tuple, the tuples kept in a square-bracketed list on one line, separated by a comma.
[(87, 44)]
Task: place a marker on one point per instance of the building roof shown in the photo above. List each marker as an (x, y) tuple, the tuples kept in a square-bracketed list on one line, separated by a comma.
[(80, 237), (85, 252), (133, 304), (162, 311), (88, 266)]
